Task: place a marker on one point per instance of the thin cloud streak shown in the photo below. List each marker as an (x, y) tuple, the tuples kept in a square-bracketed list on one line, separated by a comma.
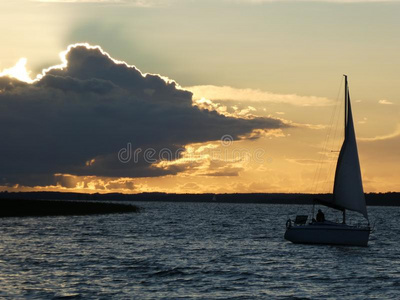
[(227, 93), (389, 136), (385, 102)]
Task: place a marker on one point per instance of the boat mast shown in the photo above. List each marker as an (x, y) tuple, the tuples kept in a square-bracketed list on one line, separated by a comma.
[(346, 94)]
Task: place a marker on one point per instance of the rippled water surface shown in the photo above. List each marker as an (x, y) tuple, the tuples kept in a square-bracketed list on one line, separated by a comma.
[(192, 250)]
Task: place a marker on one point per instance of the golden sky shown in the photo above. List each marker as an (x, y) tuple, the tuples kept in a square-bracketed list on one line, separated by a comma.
[(278, 60)]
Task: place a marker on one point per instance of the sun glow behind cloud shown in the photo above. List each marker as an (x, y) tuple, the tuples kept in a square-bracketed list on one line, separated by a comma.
[(19, 71)]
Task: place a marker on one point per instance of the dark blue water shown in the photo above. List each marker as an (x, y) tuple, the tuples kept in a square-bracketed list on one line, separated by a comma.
[(192, 250)]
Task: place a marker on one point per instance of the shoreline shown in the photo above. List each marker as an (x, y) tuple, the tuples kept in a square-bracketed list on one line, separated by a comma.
[(372, 199)]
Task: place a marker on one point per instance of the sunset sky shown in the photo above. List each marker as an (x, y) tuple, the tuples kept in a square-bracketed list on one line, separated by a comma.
[(232, 95)]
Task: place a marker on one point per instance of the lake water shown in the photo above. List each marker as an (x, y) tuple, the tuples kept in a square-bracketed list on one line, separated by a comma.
[(192, 250)]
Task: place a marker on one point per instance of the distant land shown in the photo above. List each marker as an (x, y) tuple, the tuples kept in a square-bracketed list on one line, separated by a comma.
[(47, 207), (373, 199)]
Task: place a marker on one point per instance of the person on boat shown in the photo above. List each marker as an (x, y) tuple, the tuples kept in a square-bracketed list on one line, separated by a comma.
[(320, 216)]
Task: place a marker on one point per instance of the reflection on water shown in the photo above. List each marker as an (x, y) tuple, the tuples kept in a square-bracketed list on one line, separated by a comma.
[(193, 250)]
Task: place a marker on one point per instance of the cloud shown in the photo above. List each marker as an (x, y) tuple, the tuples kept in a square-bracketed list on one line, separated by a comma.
[(385, 102), (305, 161), (363, 121), (93, 183), (390, 136), (221, 158), (78, 117), (227, 93)]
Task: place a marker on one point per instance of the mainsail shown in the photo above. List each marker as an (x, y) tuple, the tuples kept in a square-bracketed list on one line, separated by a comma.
[(348, 190)]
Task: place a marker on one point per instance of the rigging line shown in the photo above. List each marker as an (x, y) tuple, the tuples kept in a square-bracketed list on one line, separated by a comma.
[(331, 163), (334, 148), (325, 144), (319, 166), (323, 152)]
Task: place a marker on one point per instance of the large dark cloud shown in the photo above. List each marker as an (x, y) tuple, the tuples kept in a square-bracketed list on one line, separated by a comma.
[(92, 108)]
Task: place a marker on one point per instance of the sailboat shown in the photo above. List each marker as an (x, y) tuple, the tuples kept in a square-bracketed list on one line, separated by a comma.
[(348, 194)]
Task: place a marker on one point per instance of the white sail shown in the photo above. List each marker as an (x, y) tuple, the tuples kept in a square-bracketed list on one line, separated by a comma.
[(348, 190)]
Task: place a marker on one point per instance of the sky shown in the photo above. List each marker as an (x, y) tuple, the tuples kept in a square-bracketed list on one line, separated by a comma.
[(194, 96)]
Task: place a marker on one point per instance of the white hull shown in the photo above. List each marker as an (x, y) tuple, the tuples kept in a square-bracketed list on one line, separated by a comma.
[(328, 233)]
